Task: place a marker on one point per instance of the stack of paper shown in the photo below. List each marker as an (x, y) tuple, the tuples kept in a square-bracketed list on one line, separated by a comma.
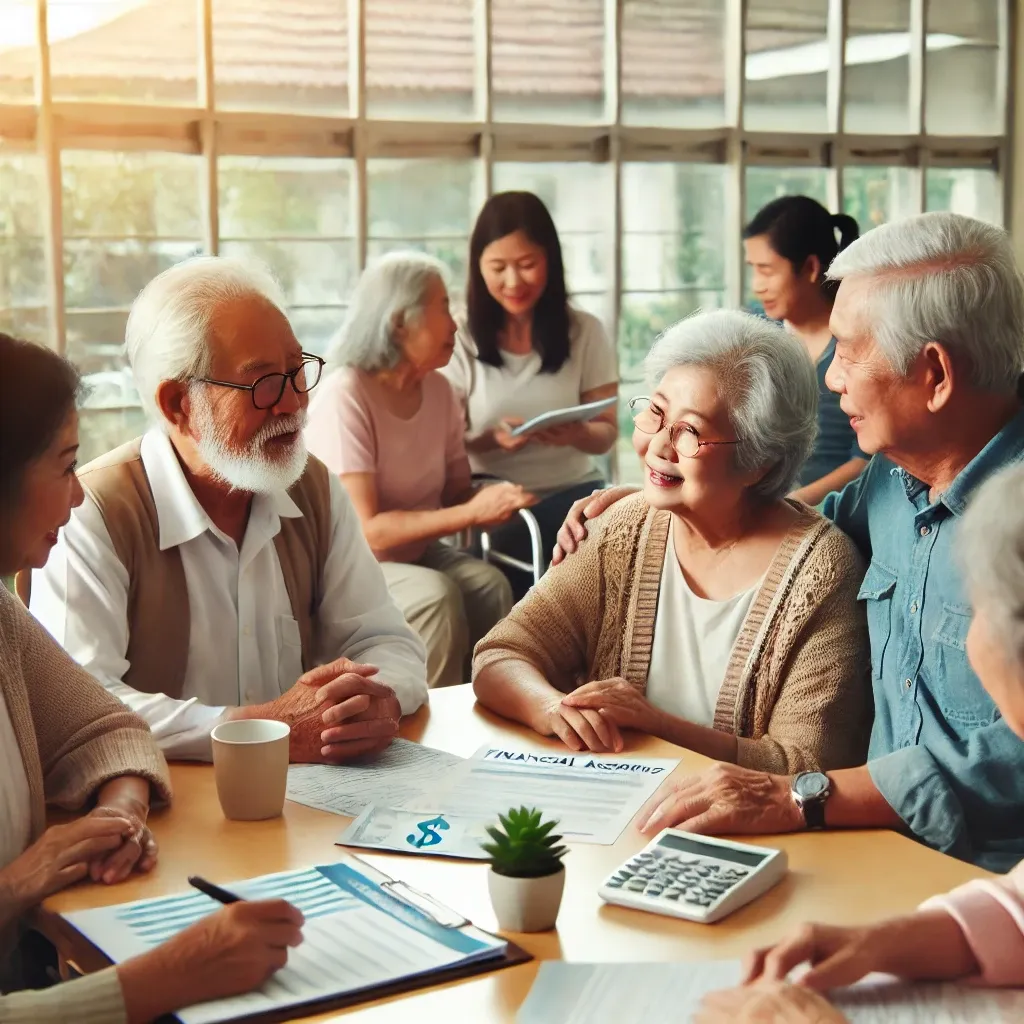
[(567, 993)]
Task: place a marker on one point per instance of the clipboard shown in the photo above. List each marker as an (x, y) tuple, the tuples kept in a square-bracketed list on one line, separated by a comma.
[(392, 889), (557, 417)]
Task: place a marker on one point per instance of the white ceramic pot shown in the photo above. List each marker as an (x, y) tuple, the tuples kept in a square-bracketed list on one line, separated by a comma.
[(526, 904)]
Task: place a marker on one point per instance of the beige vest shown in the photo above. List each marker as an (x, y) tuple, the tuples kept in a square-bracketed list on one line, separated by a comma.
[(158, 608)]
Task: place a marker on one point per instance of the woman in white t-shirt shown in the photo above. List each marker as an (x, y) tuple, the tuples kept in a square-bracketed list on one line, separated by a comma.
[(523, 350)]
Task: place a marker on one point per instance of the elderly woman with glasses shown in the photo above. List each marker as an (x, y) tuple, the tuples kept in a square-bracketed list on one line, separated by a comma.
[(707, 610), (391, 427)]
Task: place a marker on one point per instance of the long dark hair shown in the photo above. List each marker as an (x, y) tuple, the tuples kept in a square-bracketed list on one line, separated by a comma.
[(38, 388), (504, 214), (799, 227)]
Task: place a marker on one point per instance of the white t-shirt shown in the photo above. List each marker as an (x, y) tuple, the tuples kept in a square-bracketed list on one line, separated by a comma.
[(693, 641), (15, 800), (519, 389)]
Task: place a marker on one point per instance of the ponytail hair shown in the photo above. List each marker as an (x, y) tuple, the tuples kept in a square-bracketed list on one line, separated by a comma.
[(798, 227)]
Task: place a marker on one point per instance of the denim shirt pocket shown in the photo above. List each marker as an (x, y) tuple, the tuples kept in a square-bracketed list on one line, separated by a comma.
[(876, 592), (960, 696)]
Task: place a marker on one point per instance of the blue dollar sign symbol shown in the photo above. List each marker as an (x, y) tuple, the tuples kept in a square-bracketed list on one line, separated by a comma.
[(429, 836)]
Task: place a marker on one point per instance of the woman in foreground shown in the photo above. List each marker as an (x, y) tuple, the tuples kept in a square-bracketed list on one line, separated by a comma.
[(64, 741), (709, 610), (975, 932)]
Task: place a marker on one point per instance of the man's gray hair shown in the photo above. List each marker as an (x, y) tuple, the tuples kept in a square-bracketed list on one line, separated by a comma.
[(945, 278), (765, 377), (391, 292), (991, 556), (170, 325)]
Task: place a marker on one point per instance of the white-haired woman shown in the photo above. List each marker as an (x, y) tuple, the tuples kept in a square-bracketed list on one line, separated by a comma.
[(708, 610), (977, 930), (391, 427)]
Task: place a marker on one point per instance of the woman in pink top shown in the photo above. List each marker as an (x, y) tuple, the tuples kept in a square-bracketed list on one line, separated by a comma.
[(390, 426), (975, 932)]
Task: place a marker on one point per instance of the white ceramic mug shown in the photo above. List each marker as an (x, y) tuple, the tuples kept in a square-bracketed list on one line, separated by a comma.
[(250, 764)]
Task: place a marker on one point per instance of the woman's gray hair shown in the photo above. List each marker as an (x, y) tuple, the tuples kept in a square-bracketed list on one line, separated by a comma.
[(170, 326), (946, 278), (391, 292), (991, 556), (766, 379)]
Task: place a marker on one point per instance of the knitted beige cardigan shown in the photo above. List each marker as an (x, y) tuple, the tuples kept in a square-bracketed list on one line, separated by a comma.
[(72, 736), (796, 691)]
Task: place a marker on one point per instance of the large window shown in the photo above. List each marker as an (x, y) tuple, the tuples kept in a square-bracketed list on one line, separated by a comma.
[(315, 136)]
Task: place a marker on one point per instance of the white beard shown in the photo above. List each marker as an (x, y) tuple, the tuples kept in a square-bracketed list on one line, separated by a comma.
[(251, 470)]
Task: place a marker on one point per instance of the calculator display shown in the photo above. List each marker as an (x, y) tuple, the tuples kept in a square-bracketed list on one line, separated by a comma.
[(706, 850)]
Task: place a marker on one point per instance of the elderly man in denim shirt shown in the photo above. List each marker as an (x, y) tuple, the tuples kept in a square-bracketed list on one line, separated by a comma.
[(929, 322)]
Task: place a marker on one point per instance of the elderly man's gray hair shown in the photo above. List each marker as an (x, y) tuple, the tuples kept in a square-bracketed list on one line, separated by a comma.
[(946, 278), (767, 381), (391, 293), (170, 325), (991, 555)]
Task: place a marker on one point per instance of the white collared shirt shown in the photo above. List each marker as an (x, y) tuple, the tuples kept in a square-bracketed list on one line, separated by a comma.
[(244, 645)]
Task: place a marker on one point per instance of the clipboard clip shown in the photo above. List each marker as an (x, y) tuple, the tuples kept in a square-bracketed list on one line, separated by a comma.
[(427, 905)]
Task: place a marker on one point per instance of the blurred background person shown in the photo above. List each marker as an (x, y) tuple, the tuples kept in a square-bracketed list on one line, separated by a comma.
[(392, 428), (523, 350), (789, 245)]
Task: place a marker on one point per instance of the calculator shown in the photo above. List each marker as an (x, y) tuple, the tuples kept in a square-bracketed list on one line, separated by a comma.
[(696, 877)]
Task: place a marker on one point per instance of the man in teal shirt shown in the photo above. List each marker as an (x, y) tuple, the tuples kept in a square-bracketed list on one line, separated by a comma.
[(929, 323)]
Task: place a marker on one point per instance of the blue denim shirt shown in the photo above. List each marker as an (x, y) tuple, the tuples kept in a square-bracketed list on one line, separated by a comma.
[(940, 754)]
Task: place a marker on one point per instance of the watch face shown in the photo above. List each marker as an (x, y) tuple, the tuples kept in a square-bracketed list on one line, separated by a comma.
[(811, 785)]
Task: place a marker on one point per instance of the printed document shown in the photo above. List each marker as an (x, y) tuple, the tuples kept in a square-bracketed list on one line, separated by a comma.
[(429, 832), (405, 775), (593, 796), (357, 936), (616, 993)]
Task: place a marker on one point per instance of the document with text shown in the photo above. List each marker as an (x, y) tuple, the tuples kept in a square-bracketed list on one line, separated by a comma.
[(593, 796), (405, 775), (617, 993), (358, 936)]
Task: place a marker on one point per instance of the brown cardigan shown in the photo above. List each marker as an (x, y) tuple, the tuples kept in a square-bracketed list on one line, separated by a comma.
[(796, 691), (72, 734)]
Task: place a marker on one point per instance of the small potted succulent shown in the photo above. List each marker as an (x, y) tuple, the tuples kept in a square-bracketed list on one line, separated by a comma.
[(527, 874)]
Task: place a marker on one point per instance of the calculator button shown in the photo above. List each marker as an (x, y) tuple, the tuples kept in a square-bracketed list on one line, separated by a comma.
[(655, 890), (672, 893), (614, 883), (637, 885), (703, 872)]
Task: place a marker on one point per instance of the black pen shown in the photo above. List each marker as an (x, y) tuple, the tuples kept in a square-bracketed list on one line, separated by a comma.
[(213, 891)]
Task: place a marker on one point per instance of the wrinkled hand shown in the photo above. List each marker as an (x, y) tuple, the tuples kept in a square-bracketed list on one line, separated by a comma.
[(574, 531), (565, 435), (929, 944), (723, 799), (495, 504), (60, 857), (580, 729), (503, 435), (617, 701), (138, 851), (230, 952), (767, 1004)]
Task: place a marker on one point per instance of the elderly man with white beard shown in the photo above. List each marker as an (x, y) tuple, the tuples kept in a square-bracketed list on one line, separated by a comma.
[(214, 570)]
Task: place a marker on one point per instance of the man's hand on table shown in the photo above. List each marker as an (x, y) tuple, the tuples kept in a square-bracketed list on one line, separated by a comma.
[(336, 711), (723, 799)]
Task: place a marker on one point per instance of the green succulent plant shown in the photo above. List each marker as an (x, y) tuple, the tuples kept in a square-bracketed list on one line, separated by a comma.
[(526, 848)]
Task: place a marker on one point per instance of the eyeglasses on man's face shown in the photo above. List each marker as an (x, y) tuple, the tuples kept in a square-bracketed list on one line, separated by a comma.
[(267, 391), (649, 419)]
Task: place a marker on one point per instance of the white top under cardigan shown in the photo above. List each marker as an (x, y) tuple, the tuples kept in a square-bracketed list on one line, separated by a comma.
[(693, 640), (15, 800)]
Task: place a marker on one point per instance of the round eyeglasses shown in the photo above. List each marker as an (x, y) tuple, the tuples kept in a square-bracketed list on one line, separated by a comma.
[(681, 435), (267, 391)]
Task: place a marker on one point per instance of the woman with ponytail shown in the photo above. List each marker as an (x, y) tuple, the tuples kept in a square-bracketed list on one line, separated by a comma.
[(789, 245)]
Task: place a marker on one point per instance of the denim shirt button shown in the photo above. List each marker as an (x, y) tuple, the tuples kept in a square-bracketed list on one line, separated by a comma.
[(908, 684), (925, 530)]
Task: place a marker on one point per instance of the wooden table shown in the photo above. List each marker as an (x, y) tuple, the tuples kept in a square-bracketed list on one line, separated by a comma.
[(838, 877)]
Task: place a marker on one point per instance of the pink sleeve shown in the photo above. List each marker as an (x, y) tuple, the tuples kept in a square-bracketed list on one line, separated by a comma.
[(990, 913), (341, 430), (455, 437)]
